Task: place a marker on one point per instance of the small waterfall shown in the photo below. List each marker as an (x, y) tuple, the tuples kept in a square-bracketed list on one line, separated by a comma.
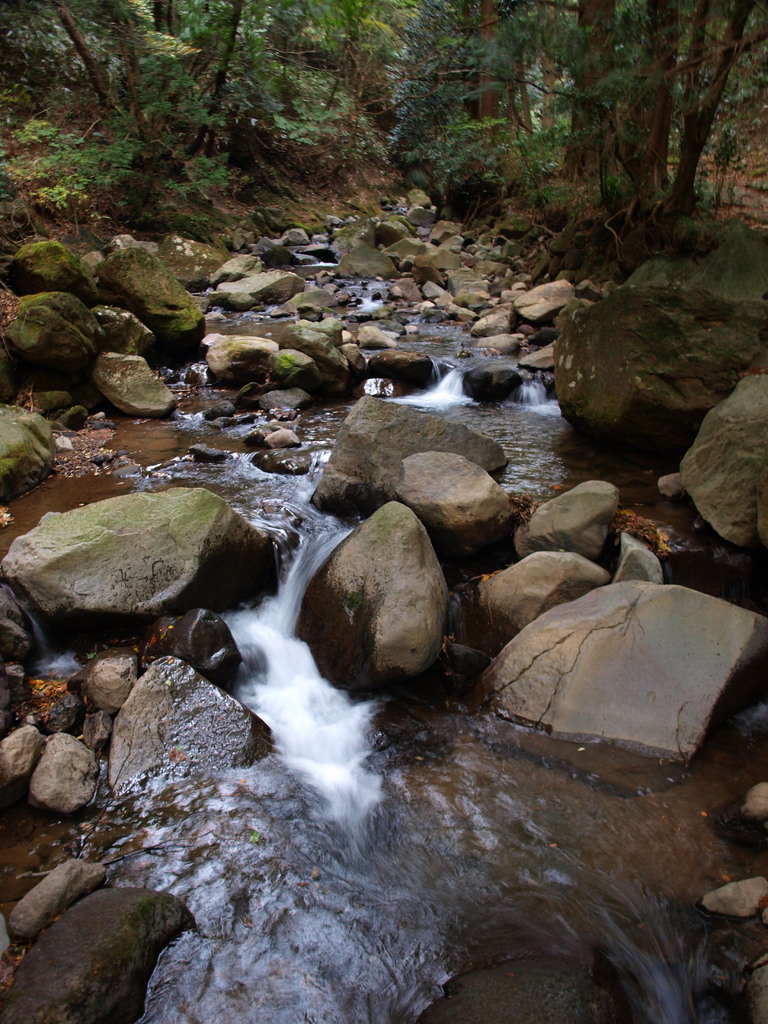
[(448, 390), (319, 730), (48, 663), (533, 395)]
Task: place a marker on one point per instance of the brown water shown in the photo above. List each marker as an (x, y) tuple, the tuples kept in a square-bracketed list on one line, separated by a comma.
[(487, 843)]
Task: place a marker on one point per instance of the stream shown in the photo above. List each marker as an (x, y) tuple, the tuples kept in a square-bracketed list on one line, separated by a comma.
[(389, 845)]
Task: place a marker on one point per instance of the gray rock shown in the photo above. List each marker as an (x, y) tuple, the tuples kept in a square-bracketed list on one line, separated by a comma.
[(65, 777), (364, 467), (27, 451), (138, 556), (296, 369), (97, 728), (543, 359), (652, 667), (177, 723), (737, 899), (637, 562), (240, 358), (721, 471), (755, 806), (15, 638), (282, 438), (382, 590), (96, 960), (131, 386), (757, 993), (319, 342), (371, 336), (365, 261), (4, 937), (271, 287), (409, 367), (201, 638), (671, 486), (499, 321), (19, 753), (462, 506), (66, 884), (290, 399), (497, 608), (643, 367), (123, 332), (108, 681), (191, 262), (576, 520), (235, 269), (542, 304)]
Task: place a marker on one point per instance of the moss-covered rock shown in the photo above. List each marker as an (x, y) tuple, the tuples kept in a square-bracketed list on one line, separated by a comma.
[(131, 386), (47, 402), (239, 358), (137, 281), (123, 332), (26, 451), (51, 267), (360, 232), (191, 262), (294, 369), (316, 341), (9, 377), (56, 331)]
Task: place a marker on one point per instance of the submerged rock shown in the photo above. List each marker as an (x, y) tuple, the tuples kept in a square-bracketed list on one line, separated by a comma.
[(364, 467), (177, 723), (132, 558), (375, 612), (653, 667), (96, 960)]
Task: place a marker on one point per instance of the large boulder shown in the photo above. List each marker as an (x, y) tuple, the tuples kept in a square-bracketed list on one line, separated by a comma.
[(294, 369), (724, 467), (191, 262), (137, 281), (92, 966), (409, 367), (364, 468), (56, 331), (131, 386), (497, 607), (462, 506), (51, 267), (376, 610), (235, 269), (123, 332), (649, 666), (177, 722), (542, 304), (240, 358), (318, 342), (365, 261), (65, 777), (576, 520), (132, 558), (351, 236), (26, 451), (492, 380), (271, 287), (643, 367)]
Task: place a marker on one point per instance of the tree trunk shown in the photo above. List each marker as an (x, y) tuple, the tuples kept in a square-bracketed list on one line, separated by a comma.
[(595, 18), (488, 105), (81, 46), (206, 130)]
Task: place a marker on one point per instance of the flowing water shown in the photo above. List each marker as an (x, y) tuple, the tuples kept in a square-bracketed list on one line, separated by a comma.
[(386, 846)]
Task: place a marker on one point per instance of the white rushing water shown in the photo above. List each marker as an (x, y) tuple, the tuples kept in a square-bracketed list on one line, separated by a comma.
[(533, 395), (447, 391), (318, 729)]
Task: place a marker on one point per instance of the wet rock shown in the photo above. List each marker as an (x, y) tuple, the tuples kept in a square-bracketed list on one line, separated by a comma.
[(284, 462), (319, 341), (382, 589), (576, 520), (138, 556), (201, 638), (137, 281), (19, 753), (96, 960), (204, 453), (97, 728), (376, 436), (496, 609), (64, 715), (462, 506), (652, 667), (51, 267), (543, 359), (15, 636), (66, 884), (55, 331), (131, 386), (17, 683), (239, 358), (291, 399), (492, 381), (737, 899), (4, 937), (371, 336), (177, 723), (721, 471), (65, 777), (409, 367), (643, 367), (224, 407), (282, 438), (637, 562)]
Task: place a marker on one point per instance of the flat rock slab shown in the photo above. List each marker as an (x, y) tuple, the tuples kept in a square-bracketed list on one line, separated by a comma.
[(138, 556), (178, 723), (364, 468), (92, 966), (651, 667)]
